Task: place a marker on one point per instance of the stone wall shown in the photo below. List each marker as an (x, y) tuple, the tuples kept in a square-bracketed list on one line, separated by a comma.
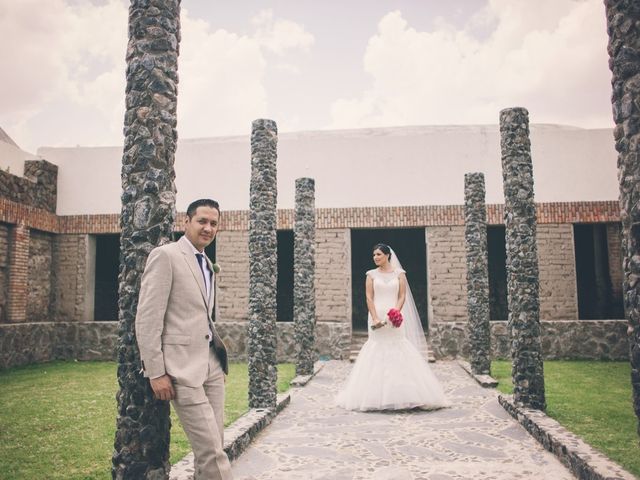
[(447, 270), (232, 254), (38, 188), (561, 340), (557, 266), (4, 270), (39, 276), (69, 267), (22, 344), (333, 275), (614, 248), (26, 343)]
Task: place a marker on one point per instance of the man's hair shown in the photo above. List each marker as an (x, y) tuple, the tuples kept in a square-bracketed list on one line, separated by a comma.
[(203, 202)]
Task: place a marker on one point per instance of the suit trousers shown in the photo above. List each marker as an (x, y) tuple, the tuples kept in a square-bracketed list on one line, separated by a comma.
[(201, 412)]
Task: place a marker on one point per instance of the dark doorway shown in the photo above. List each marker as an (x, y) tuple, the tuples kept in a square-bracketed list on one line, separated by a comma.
[(410, 246), (497, 259), (106, 289), (593, 274), (284, 296)]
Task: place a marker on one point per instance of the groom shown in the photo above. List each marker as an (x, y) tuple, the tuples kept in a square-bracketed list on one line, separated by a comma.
[(181, 351)]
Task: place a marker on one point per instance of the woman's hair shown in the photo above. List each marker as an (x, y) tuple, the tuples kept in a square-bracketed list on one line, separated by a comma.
[(384, 248)]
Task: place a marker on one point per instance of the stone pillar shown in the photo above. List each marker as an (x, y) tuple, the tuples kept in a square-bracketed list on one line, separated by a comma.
[(19, 237), (623, 26), (304, 301), (141, 447), (263, 265), (475, 215), (523, 282)]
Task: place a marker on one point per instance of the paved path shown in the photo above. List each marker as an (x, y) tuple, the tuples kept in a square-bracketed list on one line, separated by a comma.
[(475, 439)]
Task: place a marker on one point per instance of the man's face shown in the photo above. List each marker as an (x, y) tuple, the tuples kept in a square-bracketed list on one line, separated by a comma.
[(201, 229)]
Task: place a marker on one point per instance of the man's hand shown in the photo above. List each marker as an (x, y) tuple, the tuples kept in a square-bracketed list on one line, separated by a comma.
[(163, 388)]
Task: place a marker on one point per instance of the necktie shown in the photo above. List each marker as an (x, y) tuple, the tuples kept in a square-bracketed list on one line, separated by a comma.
[(200, 257)]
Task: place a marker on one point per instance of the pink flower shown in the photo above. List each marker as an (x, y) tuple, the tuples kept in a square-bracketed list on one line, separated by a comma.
[(395, 317)]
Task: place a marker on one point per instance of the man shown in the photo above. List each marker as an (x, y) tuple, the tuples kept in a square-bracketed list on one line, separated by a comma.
[(181, 352)]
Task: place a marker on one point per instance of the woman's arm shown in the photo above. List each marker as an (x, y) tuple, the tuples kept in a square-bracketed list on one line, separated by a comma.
[(402, 291), (370, 305)]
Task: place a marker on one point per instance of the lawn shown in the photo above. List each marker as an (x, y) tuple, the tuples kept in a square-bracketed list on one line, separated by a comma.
[(57, 420), (593, 400)]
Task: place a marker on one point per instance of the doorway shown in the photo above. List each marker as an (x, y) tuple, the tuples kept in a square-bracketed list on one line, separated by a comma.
[(410, 246)]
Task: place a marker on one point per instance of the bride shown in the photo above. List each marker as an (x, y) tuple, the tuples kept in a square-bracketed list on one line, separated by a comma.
[(391, 371)]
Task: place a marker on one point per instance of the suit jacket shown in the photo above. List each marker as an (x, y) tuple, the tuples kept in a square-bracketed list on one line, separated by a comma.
[(174, 316)]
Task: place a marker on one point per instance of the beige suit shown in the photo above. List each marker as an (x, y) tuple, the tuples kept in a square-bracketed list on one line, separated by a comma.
[(173, 325)]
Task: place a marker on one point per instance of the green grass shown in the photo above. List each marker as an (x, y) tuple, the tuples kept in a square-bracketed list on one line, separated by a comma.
[(57, 420), (593, 400)]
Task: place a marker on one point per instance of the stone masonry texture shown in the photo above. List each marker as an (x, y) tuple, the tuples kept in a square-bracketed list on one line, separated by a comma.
[(38, 188), (477, 273), (447, 270), (304, 306), (69, 271), (522, 259), (141, 446), (263, 266), (557, 264), (39, 277), (623, 27)]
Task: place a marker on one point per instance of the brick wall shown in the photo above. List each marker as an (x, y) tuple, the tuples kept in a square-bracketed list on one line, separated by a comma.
[(614, 246), (69, 271), (18, 273), (333, 275), (4, 270), (557, 266), (447, 270), (232, 254), (39, 276)]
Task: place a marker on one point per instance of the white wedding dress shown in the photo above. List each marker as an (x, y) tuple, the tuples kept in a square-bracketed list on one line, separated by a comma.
[(389, 373)]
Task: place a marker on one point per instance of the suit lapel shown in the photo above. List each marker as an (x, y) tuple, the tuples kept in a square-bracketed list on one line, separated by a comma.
[(192, 262)]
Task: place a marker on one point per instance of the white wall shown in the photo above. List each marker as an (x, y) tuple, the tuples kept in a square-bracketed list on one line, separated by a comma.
[(12, 158), (355, 168)]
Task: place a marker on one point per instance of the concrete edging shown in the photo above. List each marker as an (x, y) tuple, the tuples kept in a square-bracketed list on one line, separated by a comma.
[(578, 456), (485, 381), (302, 380)]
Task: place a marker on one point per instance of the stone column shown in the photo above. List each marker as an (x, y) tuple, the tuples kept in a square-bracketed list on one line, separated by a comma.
[(523, 283), (263, 265), (141, 448), (19, 238), (623, 26), (304, 295), (475, 215)]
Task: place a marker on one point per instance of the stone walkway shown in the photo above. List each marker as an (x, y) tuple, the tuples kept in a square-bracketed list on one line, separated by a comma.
[(474, 439)]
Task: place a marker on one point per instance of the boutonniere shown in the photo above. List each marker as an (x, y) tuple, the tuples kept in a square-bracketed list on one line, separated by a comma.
[(216, 268)]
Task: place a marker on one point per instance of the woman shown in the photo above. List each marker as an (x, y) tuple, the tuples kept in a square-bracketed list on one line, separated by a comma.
[(391, 372)]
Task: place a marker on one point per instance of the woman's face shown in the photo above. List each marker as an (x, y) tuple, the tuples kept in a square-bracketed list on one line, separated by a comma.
[(379, 258)]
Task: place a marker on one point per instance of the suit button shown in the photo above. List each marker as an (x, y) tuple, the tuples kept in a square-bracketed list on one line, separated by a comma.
[(207, 336)]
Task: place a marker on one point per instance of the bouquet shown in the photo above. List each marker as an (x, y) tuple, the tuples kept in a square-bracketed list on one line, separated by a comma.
[(395, 317)]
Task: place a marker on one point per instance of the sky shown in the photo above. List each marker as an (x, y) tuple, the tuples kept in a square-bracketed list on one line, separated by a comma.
[(308, 65)]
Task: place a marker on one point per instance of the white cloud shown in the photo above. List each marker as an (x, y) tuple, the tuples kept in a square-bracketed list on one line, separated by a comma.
[(548, 56), (279, 35), (64, 73)]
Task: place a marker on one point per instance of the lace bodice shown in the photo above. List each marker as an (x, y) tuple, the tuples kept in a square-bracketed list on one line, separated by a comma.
[(385, 295)]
